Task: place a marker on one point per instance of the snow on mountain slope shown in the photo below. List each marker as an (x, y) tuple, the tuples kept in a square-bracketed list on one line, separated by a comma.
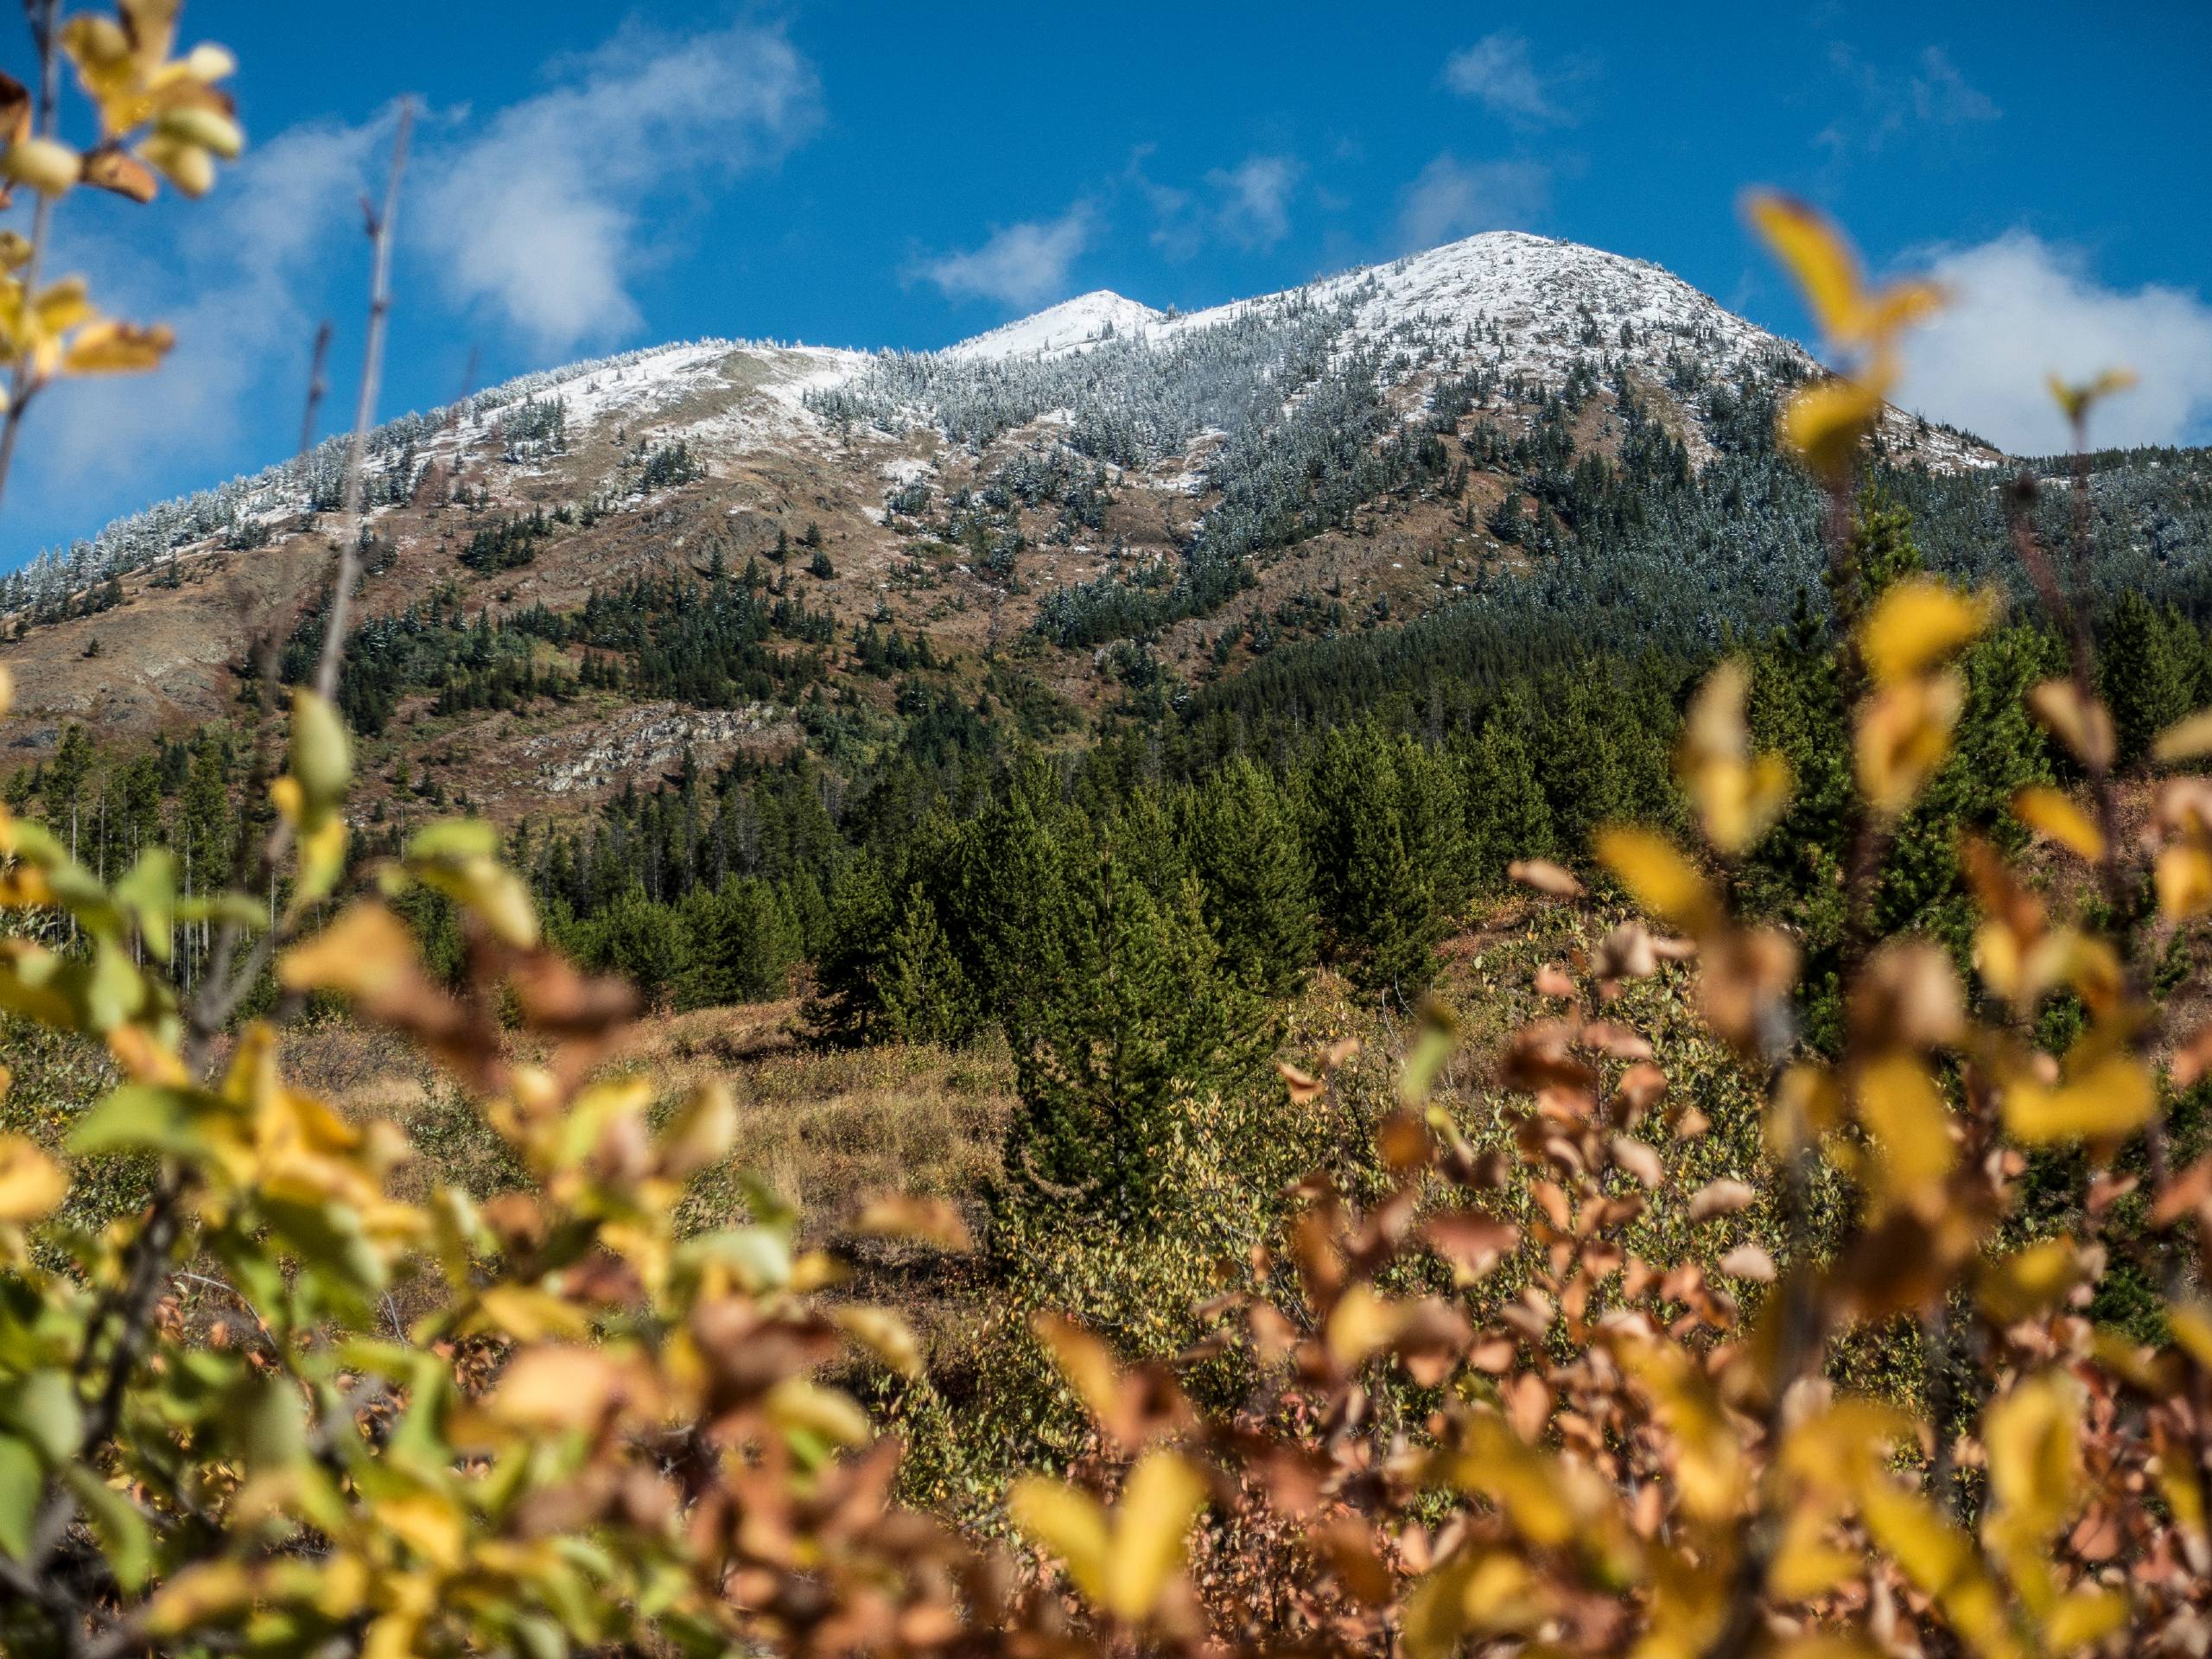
[(1069, 326), (1551, 302)]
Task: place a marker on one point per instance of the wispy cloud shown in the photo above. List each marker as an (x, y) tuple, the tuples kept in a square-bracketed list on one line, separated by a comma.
[(1022, 264), (1499, 73), (241, 281), (1247, 206), (2024, 309), (1256, 199), (1888, 104), (535, 215), (1452, 198)]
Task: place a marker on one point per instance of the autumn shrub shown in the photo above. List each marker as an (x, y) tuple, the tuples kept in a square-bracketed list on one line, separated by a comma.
[(1733, 1311)]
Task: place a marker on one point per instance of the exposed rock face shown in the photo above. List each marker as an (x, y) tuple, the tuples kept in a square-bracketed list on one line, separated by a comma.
[(641, 744)]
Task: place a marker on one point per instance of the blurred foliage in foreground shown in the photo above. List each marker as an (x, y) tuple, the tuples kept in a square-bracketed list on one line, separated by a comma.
[(606, 1434)]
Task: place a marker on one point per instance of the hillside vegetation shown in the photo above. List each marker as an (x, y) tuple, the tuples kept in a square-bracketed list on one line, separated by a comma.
[(1458, 963)]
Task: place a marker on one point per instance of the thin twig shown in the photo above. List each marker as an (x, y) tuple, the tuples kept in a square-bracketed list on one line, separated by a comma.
[(25, 384), (380, 227), (316, 386)]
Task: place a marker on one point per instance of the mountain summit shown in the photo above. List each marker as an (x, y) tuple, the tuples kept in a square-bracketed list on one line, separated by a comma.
[(581, 575)]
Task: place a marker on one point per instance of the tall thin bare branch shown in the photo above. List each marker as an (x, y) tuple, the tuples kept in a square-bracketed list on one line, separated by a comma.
[(380, 223)]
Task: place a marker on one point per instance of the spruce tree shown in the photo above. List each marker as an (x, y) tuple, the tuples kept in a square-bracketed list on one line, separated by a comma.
[(2144, 658), (1130, 1015), (925, 992), (1241, 842)]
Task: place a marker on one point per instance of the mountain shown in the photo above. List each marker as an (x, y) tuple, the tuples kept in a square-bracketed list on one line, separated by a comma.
[(1069, 511)]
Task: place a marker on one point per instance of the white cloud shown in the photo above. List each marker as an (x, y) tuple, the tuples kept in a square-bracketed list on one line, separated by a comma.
[(1892, 102), (535, 215), (1451, 199), (250, 263), (1498, 72), (1025, 263), (1248, 206), (2023, 310), (1256, 199)]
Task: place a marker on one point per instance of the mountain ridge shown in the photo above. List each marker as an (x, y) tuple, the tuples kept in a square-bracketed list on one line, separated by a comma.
[(1095, 480)]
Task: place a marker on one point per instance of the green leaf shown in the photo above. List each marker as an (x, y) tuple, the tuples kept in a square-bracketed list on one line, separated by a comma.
[(322, 754), (20, 1484), (148, 892), (450, 840), (43, 1409), (125, 1537), (146, 1117)]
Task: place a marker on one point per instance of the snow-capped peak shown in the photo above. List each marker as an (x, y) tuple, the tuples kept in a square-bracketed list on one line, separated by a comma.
[(1072, 324)]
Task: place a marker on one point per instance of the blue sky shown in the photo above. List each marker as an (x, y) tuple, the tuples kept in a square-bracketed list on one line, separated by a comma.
[(873, 174)]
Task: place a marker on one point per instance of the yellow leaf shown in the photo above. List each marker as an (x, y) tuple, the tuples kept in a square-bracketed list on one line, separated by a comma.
[(1159, 1502), (2184, 878), (1359, 1324), (2106, 1100), (1823, 423), (323, 754), (883, 1334), (2050, 813), (1905, 736), (2030, 1281), (702, 1133), (1658, 877), (2077, 398), (1900, 1106), (49, 166), (2084, 1618), (32, 1185), (1738, 795), (1916, 623), (1815, 254), (2084, 726), (928, 1221), (1068, 1523), (797, 1405), (529, 1314), (1086, 1363), (2186, 739), (109, 347), (429, 1523), (2190, 1324), (207, 128)]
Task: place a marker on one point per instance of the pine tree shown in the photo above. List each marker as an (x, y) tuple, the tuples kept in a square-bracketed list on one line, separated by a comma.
[(846, 1005), (1130, 1015), (1241, 841), (741, 941), (2146, 660), (1381, 852), (925, 995)]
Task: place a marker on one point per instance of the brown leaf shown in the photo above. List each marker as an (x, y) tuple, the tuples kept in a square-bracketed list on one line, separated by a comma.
[(1748, 1261), (1545, 877), (120, 172), (1721, 1198), (926, 1221), (1640, 1159), (1471, 1241)]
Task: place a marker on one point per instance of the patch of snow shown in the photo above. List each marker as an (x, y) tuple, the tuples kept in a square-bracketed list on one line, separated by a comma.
[(1068, 327)]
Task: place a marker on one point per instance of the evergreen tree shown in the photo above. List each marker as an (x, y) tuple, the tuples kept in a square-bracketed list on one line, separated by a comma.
[(1383, 851), (846, 1003), (1241, 840), (925, 994), (1129, 1015), (741, 943), (2147, 661)]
